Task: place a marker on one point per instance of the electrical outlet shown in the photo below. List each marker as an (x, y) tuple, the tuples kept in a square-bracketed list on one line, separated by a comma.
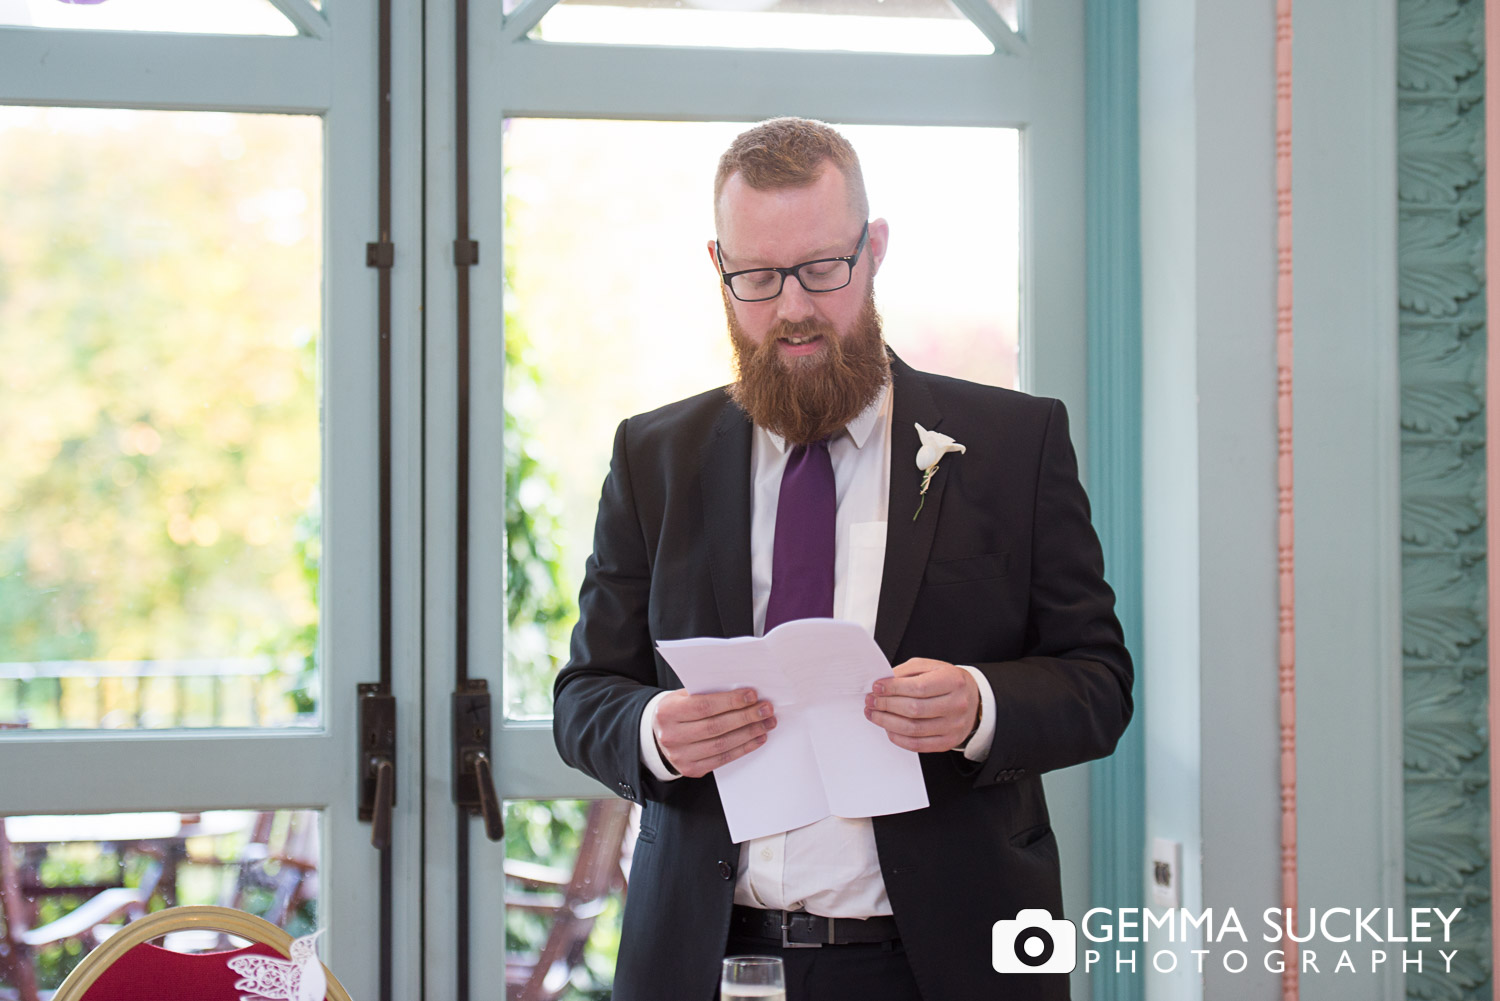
[(1166, 873)]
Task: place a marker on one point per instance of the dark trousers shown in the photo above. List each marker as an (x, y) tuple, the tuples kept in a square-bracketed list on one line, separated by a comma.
[(874, 972)]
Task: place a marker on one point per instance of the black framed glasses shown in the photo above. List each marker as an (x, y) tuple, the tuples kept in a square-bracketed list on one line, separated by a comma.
[(828, 274)]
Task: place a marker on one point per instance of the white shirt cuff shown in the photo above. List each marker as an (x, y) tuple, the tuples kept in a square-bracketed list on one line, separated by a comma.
[(978, 747), (650, 755)]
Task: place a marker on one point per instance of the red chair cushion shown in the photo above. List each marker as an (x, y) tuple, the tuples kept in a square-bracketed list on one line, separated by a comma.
[(151, 973)]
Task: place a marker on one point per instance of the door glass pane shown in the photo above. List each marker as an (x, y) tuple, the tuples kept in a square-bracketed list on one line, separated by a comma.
[(569, 855), (68, 882), (218, 17), (642, 324), (931, 26), (160, 304)]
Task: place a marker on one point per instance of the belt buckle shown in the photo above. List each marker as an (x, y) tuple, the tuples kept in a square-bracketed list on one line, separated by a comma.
[(786, 923)]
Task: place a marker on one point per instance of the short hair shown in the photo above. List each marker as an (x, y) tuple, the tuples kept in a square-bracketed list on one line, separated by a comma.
[(791, 153)]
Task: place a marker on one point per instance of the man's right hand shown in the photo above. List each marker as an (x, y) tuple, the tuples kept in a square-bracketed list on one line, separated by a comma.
[(698, 733)]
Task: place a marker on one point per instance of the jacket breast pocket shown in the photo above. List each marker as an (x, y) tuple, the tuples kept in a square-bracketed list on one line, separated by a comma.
[(965, 569)]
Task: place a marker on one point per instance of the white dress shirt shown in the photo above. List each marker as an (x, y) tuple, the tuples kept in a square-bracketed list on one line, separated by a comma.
[(829, 867)]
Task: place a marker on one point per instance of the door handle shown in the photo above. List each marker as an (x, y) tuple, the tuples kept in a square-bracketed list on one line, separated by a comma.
[(377, 756), (489, 803), (385, 799), (473, 772)]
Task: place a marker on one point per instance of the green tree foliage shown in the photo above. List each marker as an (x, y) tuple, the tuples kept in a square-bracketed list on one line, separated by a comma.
[(160, 296), (540, 613), (160, 302), (539, 610)]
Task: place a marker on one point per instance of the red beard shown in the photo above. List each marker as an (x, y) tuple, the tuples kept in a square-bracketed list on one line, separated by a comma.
[(805, 399)]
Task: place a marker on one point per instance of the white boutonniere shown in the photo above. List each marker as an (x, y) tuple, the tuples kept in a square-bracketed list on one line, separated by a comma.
[(934, 447)]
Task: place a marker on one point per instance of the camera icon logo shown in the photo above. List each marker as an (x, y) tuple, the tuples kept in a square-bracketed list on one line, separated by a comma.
[(1034, 942)]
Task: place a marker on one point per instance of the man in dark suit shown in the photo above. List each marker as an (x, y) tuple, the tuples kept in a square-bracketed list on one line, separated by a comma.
[(800, 492)]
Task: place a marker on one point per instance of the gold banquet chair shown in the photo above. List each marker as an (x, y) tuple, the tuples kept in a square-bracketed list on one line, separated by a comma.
[(128, 967)]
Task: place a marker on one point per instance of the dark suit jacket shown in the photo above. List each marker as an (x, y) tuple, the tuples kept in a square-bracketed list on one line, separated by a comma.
[(1001, 571)]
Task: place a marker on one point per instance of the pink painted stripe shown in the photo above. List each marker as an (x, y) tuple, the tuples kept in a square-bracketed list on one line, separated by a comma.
[(1492, 415), (1285, 548)]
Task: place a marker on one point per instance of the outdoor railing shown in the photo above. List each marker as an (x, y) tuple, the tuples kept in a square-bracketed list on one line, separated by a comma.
[(153, 694)]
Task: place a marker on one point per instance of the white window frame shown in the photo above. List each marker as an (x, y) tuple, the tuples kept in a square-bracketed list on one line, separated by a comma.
[(329, 69)]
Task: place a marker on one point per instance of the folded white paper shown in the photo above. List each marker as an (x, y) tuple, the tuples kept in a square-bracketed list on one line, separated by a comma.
[(824, 758)]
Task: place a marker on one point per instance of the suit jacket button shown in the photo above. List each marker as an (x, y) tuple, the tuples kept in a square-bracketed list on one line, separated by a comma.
[(726, 870)]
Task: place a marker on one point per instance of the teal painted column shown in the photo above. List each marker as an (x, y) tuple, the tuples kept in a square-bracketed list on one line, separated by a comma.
[(1117, 807)]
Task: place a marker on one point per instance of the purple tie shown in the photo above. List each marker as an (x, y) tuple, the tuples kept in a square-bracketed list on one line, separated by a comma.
[(802, 557)]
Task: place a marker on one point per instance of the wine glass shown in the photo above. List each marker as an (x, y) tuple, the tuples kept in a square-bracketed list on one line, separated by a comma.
[(753, 977)]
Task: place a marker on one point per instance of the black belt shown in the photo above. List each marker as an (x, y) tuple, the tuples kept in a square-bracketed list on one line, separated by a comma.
[(801, 930)]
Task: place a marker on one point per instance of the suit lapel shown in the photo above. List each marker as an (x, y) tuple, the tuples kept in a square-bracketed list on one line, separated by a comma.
[(725, 477), (908, 538)]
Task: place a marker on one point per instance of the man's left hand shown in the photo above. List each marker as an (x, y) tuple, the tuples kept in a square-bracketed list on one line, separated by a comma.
[(930, 705)]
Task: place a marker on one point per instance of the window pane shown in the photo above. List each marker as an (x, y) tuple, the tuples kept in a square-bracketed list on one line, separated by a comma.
[(68, 882), (160, 301), (219, 17), (572, 854), (645, 324), (930, 26)]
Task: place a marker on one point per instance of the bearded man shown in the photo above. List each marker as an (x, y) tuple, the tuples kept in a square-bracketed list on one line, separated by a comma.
[(793, 494)]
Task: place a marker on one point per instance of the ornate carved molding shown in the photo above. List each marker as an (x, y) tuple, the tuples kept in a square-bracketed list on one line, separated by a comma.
[(1490, 41), (1445, 572)]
